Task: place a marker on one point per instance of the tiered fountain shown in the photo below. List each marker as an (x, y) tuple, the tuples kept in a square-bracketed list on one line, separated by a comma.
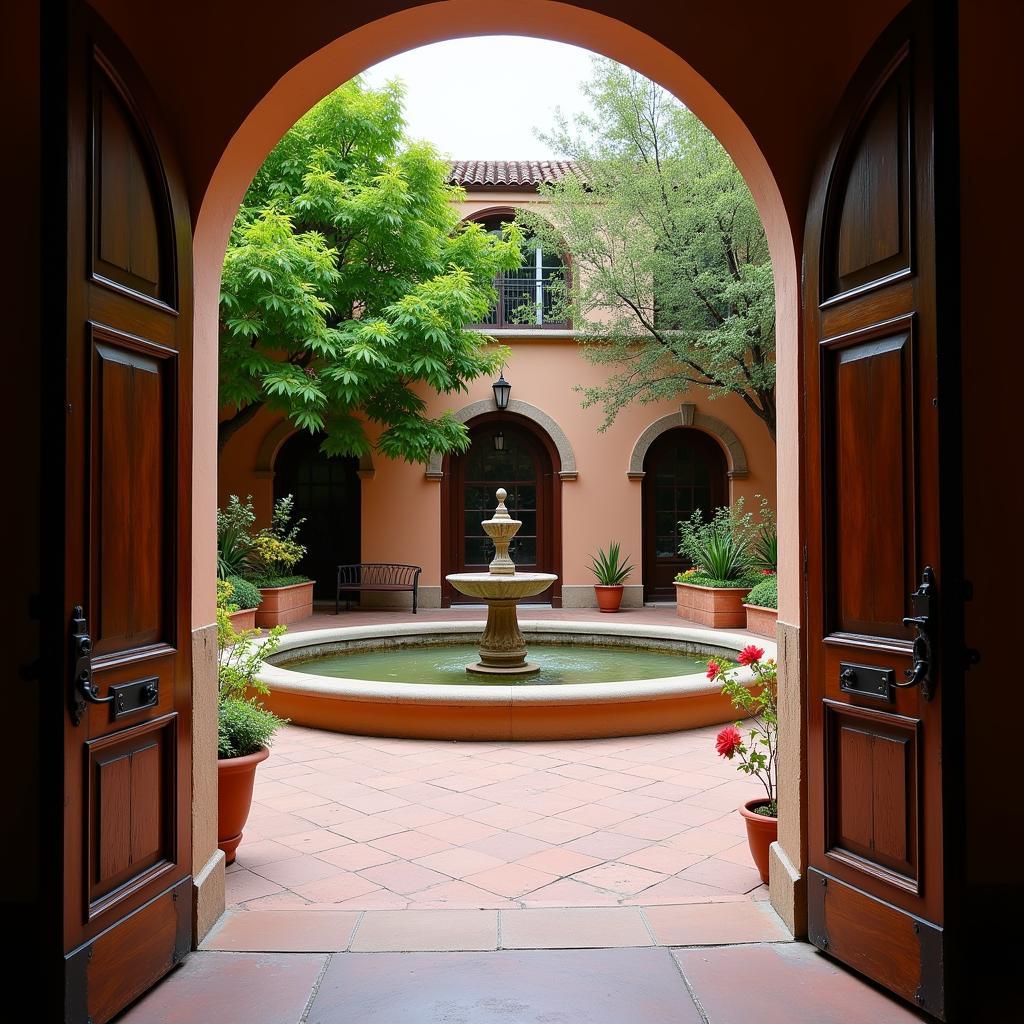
[(502, 647)]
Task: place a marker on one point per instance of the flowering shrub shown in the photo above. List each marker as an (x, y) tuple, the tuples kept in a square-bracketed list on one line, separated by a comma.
[(757, 754), (276, 549)]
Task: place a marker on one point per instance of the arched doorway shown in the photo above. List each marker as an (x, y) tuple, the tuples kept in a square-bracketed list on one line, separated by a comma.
[(505, 451), (327, 496), (684, 470)]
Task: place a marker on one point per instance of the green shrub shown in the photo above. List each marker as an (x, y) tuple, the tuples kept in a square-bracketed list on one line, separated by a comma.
[(234, 537), (244, 594), (720, 548), (766, 593), (764, 544), (263, 580), (700, 580), (243, 727)]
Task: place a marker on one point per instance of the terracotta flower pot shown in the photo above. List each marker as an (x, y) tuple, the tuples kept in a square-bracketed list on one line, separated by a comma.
[(281, 605), (761, 620), (762, 831), (244, 618), (609, 598), (720, 607), (235, 778)]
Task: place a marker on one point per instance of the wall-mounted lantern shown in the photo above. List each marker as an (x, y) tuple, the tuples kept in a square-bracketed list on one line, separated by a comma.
[(499, 442), (502, 389)]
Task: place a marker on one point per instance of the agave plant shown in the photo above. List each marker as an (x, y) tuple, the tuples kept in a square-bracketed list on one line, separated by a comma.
[(234, 538), (610, 568), (721, 546)]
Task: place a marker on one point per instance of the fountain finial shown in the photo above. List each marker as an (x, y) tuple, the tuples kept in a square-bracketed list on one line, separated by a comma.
[(501, 528)]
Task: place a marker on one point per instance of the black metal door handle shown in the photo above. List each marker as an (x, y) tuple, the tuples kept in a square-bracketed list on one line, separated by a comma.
[(924, 602), (81, 653)]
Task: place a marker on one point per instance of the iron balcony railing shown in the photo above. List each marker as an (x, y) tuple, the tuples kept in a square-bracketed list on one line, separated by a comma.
[(526, 300)]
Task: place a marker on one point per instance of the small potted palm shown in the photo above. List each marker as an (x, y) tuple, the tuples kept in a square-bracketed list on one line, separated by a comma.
[(712, 592), (756, 700), (244, 727), (611, 571)]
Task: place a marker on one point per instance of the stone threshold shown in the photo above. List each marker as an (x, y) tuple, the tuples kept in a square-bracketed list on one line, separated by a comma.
[(319, 929)]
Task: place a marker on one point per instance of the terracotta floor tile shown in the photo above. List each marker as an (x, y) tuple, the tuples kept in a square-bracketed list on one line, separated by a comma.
[(579, 771), (635, 803), (589, 791), (509, 846), (662, 858), (241, 886), (575, 928), (510, 880), (295, 801), (414, 816), (258, 988), (458, 862), (620, 781), (503, 817), (545, 803), (606, 845), (410, 845), (417, 930), (559, 861), (459, 831), (282, 931), (403, 877), (568, 892), (713, 924), (458, 803), (669, 791), (296, 871), (595, 815), (314, 841), (680, 890), (262, 851), (616, 876), (275, 825), (594, 986), (738, 854), (786, 984), (721, 873), (456, 894), (373, 802), (379, 899), (554, 830), (701, 840), (336, 888), (687, 814), (648, 826), (355, 856), (363, 829), (328, 814)]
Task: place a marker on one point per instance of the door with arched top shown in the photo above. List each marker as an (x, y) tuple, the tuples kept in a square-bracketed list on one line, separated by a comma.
[(326, 490), (684, 470), (503, 453)]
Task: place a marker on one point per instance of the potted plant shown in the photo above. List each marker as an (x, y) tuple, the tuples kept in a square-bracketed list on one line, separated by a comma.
[(285, 596), (757, 754), (611, 571), (244, 727), (713, 591), (242, 600)]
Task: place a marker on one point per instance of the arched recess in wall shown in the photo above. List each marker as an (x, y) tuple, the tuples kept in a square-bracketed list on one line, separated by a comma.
[(272, 442), (690, 416), (530, 464), (547, 424)]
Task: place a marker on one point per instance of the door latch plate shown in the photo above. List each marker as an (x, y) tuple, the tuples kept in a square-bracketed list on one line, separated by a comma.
[(867, 681), (135, 696)]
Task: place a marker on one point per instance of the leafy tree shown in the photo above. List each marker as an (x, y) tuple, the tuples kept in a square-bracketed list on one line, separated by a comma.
[(348, 282), (672, 279)]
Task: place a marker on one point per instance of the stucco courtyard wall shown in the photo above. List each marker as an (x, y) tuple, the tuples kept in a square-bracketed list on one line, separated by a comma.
[(401, 506)]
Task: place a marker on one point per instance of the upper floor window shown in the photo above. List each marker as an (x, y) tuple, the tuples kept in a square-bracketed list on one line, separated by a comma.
[(531, 296)]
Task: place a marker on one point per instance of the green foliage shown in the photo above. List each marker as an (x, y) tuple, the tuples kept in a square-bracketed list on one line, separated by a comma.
[(698, 579), (234, 537), (243, 724), (720, 548), (757, 704), (609, 567), (348, 282), (276, 548), (244, 595), (766, 593), (263, 580), (764, 543), (672, 277)]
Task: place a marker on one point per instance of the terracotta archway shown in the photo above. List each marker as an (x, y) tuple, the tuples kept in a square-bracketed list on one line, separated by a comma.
[(317, 73), (274, 440), (690, 416)]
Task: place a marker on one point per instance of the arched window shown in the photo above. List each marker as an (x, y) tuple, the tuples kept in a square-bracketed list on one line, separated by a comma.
[(531, 296)]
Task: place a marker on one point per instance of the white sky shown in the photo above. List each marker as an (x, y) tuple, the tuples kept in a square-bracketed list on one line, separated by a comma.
[(480, 98)]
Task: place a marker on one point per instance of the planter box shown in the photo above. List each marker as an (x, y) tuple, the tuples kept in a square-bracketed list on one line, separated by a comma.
[(761, 620), (244, 618), (719, 607), (281, 605)]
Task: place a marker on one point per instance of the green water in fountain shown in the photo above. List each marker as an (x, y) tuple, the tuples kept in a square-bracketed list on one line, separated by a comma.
[(560, 664)]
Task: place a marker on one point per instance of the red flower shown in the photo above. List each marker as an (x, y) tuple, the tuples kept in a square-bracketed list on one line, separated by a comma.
[(713, 669), (729, 739), (767, 572), (750, 654)]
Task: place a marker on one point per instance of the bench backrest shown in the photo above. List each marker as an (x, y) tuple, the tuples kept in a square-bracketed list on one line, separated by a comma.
[(390, 574)]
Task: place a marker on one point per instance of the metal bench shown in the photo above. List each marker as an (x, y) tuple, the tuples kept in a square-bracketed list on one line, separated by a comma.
[(386, 577)]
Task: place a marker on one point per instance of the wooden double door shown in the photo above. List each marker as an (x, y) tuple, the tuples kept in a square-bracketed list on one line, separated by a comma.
[(881, 474)]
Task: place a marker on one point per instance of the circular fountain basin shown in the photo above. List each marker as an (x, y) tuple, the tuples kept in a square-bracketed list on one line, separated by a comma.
[(503, 709)]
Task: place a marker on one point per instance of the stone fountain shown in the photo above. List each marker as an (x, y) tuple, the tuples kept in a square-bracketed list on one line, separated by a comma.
[(502, 647)]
